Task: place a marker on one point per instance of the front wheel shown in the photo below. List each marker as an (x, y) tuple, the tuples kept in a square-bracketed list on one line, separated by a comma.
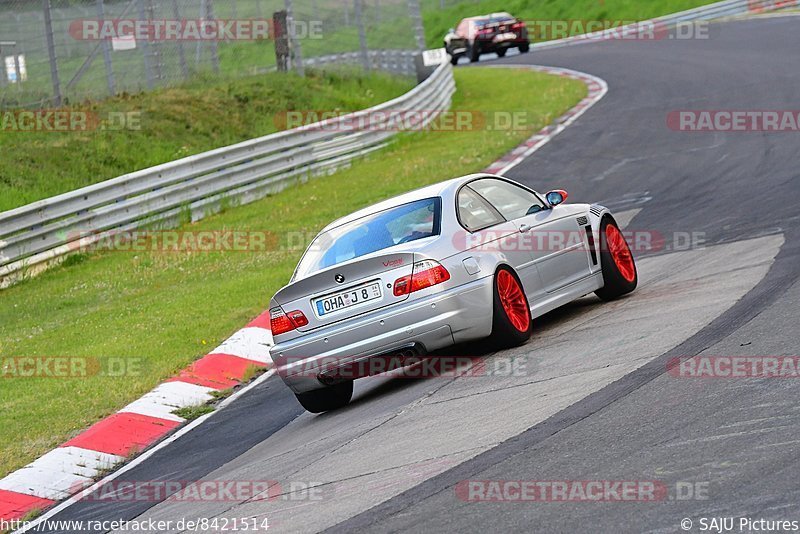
[(501, 52), (328, 398), (619, 269), (511, 320), (524, 48)]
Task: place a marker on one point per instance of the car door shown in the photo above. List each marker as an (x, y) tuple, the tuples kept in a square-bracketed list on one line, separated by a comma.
[(500, 236), (551, 236)]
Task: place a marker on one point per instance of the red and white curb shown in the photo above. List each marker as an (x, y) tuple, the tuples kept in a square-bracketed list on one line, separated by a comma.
[(69, 471), (76, 464), (597, 90)]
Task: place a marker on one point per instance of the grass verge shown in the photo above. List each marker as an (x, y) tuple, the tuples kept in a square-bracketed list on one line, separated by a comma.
[(157, 312), (170, 124)]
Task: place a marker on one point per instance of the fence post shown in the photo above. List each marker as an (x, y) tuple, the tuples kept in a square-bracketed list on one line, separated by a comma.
[(362, 35), (51, 51), (181, 55), (295, 49), (3, 73), (209, 14), (148, 71), (416, 23), (112, 90), (155, 47)]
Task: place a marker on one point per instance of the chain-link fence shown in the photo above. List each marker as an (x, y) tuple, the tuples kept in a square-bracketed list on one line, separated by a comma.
[(60, 51)]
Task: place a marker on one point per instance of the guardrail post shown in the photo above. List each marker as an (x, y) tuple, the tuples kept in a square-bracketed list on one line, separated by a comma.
[(51, 52)]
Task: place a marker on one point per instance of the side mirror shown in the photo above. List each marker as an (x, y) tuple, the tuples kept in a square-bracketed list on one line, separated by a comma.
[(556, 197)]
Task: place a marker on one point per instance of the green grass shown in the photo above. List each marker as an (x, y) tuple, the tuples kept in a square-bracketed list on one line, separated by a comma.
[(169, 309), (190, 413), (175, 122), (437, 21)]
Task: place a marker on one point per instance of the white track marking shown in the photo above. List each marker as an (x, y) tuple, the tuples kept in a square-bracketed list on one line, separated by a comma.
[(144, 457), (251, 343), (59, 473), (168, 397)]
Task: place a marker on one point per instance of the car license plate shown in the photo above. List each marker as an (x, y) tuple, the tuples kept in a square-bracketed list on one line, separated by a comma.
[(347, 299), (505, 37)]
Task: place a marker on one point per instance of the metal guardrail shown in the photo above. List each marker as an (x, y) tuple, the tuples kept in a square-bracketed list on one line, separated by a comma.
[(394, 61), (240, 173)]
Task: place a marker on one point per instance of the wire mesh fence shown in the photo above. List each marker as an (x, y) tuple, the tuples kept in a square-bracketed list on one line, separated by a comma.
[(55, 52)]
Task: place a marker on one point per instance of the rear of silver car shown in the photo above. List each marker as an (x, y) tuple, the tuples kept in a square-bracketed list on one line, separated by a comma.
[(403, 305)]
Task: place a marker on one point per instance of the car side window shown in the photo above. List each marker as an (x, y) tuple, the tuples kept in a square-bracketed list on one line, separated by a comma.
[(512, 201), (474, 212)]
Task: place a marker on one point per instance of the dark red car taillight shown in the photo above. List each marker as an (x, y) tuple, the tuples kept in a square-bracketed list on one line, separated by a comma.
[(426, 273), (518, 25), (280, 322)]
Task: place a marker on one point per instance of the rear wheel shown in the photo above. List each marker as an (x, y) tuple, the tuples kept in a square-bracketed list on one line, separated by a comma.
[(523, 48), (454, 60), (328, 398), (619, 269), (501, 52), (511, 322), (474, 53)]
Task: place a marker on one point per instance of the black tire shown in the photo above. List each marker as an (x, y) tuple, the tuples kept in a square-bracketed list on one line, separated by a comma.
[(454, 60), (501, 52), (328, 398), (504, 333), (614, 283), (524, 48), (474, 53)]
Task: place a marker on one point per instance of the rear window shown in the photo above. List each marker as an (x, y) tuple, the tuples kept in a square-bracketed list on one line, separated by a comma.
[(371, 233)]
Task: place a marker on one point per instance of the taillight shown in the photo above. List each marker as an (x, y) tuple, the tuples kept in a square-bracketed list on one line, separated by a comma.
[(280, 322), (518, 25), (425, 273)]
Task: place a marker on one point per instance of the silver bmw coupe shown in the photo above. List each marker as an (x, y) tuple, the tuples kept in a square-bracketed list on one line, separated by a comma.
[(473, 257)]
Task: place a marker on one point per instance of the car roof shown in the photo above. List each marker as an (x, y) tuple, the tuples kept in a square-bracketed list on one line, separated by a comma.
[(440, 189), (499, 15)]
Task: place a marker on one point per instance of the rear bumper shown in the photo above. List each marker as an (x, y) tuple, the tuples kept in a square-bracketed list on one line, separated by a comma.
[(430, 322), (488, 45)]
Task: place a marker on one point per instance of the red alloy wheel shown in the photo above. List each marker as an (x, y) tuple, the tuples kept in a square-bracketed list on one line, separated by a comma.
[(620, 252), (513, 301)]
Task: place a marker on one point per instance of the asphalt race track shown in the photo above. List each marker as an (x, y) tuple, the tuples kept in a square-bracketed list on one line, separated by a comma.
[(593, 400)]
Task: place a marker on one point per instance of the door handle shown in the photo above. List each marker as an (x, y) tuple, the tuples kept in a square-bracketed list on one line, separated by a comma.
[(525, 228)]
